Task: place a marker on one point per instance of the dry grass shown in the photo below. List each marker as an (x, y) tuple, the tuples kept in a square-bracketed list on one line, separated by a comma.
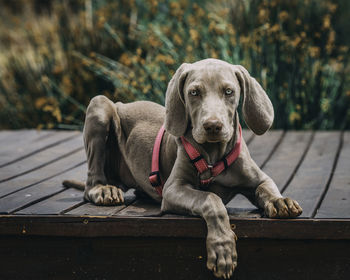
[(53, 64)]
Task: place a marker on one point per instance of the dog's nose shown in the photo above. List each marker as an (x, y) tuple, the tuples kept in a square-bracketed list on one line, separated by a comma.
[(212, 126)]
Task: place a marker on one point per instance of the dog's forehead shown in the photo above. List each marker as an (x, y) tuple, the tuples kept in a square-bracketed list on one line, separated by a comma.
[(211, 71)]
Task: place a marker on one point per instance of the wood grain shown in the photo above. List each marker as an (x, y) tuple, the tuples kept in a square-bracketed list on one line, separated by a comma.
[(311, 179), (141, 208), (176, 226), (55, 204), (42, 174), (28, 196), (22, 147), (336, 203), (40, 159), (286, 159)]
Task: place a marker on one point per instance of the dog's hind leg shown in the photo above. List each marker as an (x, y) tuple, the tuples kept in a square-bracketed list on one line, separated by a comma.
[(101, 123)]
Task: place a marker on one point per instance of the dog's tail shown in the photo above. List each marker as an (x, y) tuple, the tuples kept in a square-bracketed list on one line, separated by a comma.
[(74, 184)]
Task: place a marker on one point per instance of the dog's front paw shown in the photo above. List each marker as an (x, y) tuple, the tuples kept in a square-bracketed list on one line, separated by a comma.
[(105, 195), (222, 254), (283, 208)]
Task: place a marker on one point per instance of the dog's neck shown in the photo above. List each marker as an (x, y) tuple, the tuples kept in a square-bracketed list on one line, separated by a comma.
[(213, 152)]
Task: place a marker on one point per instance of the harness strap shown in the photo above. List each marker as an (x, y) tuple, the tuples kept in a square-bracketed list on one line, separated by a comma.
[(201, 164), (154, 176), (196, 158)]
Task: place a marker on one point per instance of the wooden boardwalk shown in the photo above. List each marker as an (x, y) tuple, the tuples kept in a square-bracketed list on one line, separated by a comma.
[(311, 167)]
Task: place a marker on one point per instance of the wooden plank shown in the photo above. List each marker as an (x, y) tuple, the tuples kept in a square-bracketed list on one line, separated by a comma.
[(40, 159), (28, 196), (263, 146), (42, 174), (310, 181), (112, 226), (287, 157), (55, 204), (261, 149), (16, 143), (244, 210), (5, 133), (336, 203), (44, 140), (141, 208), (13, 137), (94, 210)]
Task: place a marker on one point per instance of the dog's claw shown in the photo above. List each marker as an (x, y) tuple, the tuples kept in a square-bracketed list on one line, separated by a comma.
[(105, 195), (283, 208)]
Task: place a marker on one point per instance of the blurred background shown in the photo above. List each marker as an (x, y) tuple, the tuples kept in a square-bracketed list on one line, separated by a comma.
[(55, 55)]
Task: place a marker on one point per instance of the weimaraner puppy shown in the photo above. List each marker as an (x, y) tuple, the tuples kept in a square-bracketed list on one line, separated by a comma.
[(201, 105)]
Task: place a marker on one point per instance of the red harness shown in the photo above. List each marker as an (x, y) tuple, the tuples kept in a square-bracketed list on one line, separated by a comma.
[(196, 158)]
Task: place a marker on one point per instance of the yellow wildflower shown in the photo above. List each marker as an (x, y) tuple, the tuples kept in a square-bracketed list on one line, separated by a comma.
[(57, 114), (177, 39), (283, 16), (125, 59), (50, 125), (194, 36), (296, 41), (314, 51), (327, 21), (332, 7), (189, 48), (39, 102), (214, 54), (146, 89), (67, 85), (263, 15), (101, 21), (293, 117), (282, 95), (330, 41), (343, 48), (275, 28)]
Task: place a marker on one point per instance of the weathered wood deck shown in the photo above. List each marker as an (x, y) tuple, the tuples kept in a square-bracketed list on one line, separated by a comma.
[(49, 231)]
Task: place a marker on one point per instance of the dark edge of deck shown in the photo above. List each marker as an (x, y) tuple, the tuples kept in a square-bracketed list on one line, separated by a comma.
[(114, 226)]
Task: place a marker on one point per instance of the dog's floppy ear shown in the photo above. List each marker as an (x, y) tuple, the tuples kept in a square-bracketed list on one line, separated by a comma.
[(176, 119), (257, 107)]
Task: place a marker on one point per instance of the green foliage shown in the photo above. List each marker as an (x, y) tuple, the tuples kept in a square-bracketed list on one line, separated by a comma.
[(128, 50)]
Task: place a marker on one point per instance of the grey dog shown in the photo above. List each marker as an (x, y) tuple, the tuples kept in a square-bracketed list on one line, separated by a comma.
[(201, 105)]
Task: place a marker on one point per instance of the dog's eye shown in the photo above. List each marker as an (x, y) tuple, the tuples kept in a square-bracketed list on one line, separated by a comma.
[(194, 92), (228, 91)]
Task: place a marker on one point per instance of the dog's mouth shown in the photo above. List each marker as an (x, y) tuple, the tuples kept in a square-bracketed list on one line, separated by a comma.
[(203, 137), (214, 138)]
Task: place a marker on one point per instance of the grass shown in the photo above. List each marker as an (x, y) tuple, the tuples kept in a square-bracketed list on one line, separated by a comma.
[(54, 61)]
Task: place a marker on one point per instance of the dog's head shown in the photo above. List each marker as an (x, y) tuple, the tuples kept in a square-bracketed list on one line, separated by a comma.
[(205, 95)]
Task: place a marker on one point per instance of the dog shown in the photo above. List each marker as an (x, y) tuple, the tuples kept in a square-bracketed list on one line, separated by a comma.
[(201, 112)]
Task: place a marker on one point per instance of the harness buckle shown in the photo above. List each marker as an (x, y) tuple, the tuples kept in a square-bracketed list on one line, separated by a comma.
[(206, 182)]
